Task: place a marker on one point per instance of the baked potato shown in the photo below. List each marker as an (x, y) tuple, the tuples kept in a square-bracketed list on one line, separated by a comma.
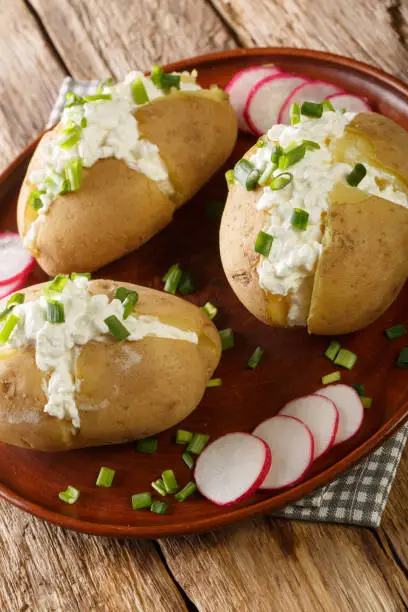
[(130, 168), (320, 241), (92, 388)]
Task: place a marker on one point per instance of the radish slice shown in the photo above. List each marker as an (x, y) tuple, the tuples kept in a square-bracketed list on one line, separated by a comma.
[(15, 260), (315, 91), (266, 98), (320, 415), (291, 444), (240, 86), (353, 104), (232, 467), (350, 408), (5, 290)]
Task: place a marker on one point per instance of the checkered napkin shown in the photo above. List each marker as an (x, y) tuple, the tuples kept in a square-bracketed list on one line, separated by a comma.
[(359, 496)]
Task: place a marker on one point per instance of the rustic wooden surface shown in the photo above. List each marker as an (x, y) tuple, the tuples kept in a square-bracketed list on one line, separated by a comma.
[(265, 565)]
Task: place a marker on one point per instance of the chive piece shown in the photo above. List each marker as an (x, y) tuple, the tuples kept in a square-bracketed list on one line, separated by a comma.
[(58, 284), (84, 122), (72, 99), (402, 358), (267, 174), (356, 175), (147, 445), (187, 284), (117, 328), (263, 243), (34, 199), (255, 358), (98, 96), (312, 109), (299, 219), (281, 181), (70, 495), (188, 460), (331, 378), (197, 443), (261, 142), (214, 209), (366, 401), (332, 350), (73, 174), (108, 82), (129, 299), (8, 328), (186, 491), (16, 298), (56, 183), (229, 177), (158, 507), (172, 279), (75, 275), (105, 477), (69, 138), (327, 106), (246, 174), (170, 482), (227, 338), (158, 485), (121, 293), (183, 436), (214, 382), (164, 80), (396, 331), (5, 313), (291, 156), (55, 312), (139, 93), (294, 113), (276, 153), (210, 310), (141, 500), (359, 388), (345, 358), (310, 144), (156, 75)]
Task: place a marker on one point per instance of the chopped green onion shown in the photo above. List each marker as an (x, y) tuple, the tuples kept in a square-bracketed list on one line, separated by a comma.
[(299, 219), (267, 173), (108, 82), (366, 401), (55, 312), (310, 144), (183, 436), (55, 182), (396, 331), (345, 358), (164, 80), (58, 284), (16, 298), (69, 138), (139, 93), (263, 243), (356, 175), (197, 443), (227, 338), (331, 378), (70, 495), (72, 99), (84, 122), (187, 284), (402, 357), (229, 177), (359, 388), (147, 445), (158, 507), (327, 106), (34, 199), (294, 113), (8, 328), (170, 482), (291, 156), (73, 174), (261, 142), (214, 382), (105, 477), (188, 460), (98, 96), (158, 485), (129, 299), (75, 275), (276, 153), (172, 279), (141, 500), (246, 174), (255, 358), (214, 209), (332, 350), (281, 181), (186, 491), (210, 310), (117, 328), (312, 109)]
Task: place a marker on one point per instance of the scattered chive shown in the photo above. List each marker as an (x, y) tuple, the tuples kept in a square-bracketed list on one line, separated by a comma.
[(147, 445), (331, 378), (108, 82), (188, 460), (55, 312), (327, 105), (105, 477), (116, 328), (183, 436), (16, 298), (396, 331), (255, 358), (187, 284), (291, 156), (56, 183), (8, 328), (84, 122), (345, 358), (294, 113), (98, 96), (34, 199), (172, 279), (214, 382), (75, 275), (158, 485), (158, 507), (246, 174), (280, 181), (163, 80), (70, 495), (359, 388), (58, 284), (141, 500), (139, 93), (263, 243), (356, 175), (267, 174), (73, 174), (214, 209), (402, 357), (366, 401), (332, 350), (310, 144), (299, 219), (129, 299), (72, 99), (197, 443), (186, 491), (210, 310), (276, 153), (227, 338), (69, 138), (170, 482), (312, 109), (229, 177), (261, 142)]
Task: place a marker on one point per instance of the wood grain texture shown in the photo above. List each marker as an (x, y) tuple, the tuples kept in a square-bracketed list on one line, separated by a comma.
[(98, 38)]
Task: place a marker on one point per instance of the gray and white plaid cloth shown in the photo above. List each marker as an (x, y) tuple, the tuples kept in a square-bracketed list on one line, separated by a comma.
[(359, 496)]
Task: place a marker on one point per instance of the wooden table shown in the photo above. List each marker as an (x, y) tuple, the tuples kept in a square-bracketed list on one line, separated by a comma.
[(266, 565)]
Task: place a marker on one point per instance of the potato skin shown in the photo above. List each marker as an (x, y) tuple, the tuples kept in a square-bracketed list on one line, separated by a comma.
[(121, 397)]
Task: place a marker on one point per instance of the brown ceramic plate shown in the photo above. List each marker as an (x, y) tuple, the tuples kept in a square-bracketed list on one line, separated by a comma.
[(293, 363)]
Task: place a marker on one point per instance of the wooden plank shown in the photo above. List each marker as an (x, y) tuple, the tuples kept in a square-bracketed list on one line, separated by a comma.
[(368, 30), (30, 75), (98, 38)]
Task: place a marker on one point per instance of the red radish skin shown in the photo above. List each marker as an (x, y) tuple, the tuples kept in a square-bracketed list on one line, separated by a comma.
[(266, 98), (320, 415), (350, 408), (15, 261), (6, 290), (231, 468), (353, 104), (292, 447), (240, 86), (315, 91)]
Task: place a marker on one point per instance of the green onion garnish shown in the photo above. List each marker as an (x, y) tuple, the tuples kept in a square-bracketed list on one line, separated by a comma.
[(294, 113), (129, 299), (359, 388), (327, 105), (170, 482), (139, 93), (69, 138), (58, 284), (186, 491), (75, 275), (108, 82), (246, 174), (299, 219), (158, 485), (84, 122), (105, 477), (172, 279), (332, 350), (16, 298), (70, 495), (72, 99), (210, 310), (255, 358), (356, 175), (141, 500), (187, 284), (276, 153), (197, 443), (214, 209), (73, 174), (188, 460), (345, 358), (366, 401), (267, 174), (261, 142), (331, 378), (227, 338), (34, 199), (291, 156), (56, 183), (396, 331), (312, 109), (263, 243), (55, 312), (98, 96), (147, 445), (117, 328), (310, 144), (8, 328), (158, 507), (402, 357), (214, 382), (163, 80), (229, 177), (280, 181), (183, 436)]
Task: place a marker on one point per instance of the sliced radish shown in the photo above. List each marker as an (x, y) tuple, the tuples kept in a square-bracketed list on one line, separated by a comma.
[(291, 444), (315, 91), (320, 415), (5, 290), (266, 98), (15, 260), (240, 86), (232, 467), (353, 104), (350, 408)]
